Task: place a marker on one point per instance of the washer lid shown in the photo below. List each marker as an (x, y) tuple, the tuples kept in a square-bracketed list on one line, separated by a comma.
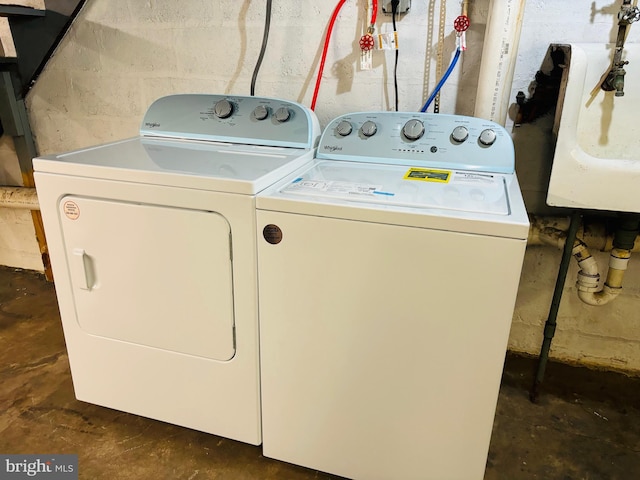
[(414, 187), (453, 200), (213, 166)]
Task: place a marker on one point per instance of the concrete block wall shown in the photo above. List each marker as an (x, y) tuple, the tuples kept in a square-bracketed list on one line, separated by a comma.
[(120, 55)]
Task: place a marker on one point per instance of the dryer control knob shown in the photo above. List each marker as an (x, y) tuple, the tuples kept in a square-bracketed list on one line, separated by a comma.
[(369, 128), (344, 128), (282, 114), (460, 134), (413, 129), (260, 112), (223, 109), (487, 137)]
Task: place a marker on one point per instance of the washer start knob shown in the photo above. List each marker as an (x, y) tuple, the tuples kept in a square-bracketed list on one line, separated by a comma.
[(223, 109), (413, 129), (487, 137)]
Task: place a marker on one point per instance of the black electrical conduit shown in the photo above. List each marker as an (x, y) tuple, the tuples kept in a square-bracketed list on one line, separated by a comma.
[(265, 38), (394, 14)]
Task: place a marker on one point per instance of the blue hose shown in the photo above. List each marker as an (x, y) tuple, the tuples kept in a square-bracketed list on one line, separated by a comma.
[(442, 81)]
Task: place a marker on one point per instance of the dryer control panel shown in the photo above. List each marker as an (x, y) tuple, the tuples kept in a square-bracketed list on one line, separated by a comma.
[(419, 139), (234, 119)]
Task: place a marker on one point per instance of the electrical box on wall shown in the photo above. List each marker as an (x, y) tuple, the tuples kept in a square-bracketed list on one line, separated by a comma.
[(403, 6)]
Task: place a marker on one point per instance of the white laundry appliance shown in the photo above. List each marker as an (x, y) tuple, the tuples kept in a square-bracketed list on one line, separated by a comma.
[(388, 272), (153, 247)]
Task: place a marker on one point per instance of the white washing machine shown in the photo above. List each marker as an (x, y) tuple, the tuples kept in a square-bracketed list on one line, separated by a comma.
[(153, 247), (388, 272)]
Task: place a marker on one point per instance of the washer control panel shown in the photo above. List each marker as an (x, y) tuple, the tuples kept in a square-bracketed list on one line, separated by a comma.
[(233, 119), (419, 139)]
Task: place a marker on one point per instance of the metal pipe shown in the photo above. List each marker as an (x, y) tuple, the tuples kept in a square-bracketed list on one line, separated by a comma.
[(19, 197), (550, 325), (615, 78)]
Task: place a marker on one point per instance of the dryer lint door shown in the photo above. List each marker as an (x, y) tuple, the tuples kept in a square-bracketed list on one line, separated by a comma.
[(151, 275)]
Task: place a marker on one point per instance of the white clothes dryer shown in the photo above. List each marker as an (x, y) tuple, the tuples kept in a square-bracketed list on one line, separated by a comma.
[(388, 272), (153, 247)]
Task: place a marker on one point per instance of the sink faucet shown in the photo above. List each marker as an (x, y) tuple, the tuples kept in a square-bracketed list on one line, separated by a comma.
[(615, 78)]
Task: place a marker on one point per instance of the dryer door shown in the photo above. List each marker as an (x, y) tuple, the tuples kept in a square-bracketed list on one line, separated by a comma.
[(151, 275)]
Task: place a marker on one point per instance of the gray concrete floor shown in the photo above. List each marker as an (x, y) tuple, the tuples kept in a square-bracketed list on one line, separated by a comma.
[(586, 425)]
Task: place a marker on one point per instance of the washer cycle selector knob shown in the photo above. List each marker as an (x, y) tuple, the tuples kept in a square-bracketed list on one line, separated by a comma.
[(282, 114), (369, 128), (223, 109), (487, 137), (460, 134), (261, 112), (413, 129), (344, 128)]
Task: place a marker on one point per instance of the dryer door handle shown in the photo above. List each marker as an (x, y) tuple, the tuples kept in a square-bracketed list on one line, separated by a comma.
[(80, 265)]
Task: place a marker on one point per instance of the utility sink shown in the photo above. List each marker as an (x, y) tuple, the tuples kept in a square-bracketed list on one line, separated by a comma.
[(597, 158)]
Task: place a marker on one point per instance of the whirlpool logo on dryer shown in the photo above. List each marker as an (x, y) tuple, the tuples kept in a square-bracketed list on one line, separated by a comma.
[(332, 148)]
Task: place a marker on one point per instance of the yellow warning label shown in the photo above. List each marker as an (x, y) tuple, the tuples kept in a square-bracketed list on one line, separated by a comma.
[(428, 175)]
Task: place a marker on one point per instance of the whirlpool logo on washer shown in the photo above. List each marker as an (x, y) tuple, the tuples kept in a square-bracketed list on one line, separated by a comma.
[(332, 148)]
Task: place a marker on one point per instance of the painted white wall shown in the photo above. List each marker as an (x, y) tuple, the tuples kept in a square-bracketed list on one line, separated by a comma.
[(120, 55)]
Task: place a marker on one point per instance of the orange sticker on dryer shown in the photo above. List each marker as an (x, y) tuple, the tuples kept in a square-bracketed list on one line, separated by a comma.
[(71, 210)]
